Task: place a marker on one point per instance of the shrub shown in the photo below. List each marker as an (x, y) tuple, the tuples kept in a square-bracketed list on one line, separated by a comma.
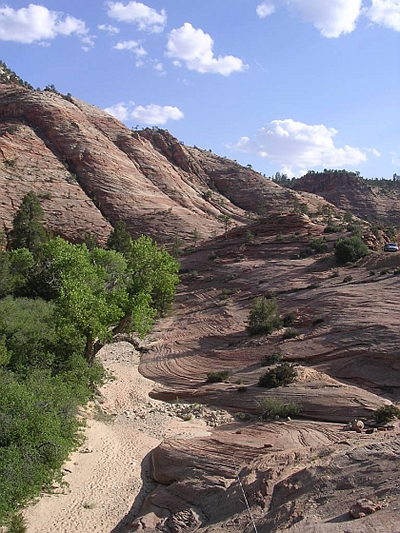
[(272, 408), (346, 279), (282, 375), (290, 333), (332, 227), (217, 377), (271, 359), (289, 319), (316, 246), (264, 316), (317, 321), (385, 414), (242, 388), (17, 524), (350, 249)]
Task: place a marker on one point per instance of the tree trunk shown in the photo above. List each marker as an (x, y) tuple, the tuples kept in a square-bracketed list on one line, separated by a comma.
[(122, 325), (89, 349)]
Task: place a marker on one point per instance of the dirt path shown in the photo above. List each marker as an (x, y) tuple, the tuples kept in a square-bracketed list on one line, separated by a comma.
[(107, 476)]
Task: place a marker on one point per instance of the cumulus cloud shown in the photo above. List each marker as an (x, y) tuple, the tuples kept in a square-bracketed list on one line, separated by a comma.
[(265, 9), (298, 147), (132, 46), (37, 24), (386, 13), (330, 17), (146, 18), (119, 111), (154, 115), (112, 30), (195, 49)]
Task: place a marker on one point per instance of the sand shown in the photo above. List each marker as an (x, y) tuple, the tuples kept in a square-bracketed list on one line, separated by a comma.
[(108, 476)]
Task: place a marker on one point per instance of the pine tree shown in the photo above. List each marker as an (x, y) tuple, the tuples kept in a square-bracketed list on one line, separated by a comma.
[(119, 239), (28, 231)]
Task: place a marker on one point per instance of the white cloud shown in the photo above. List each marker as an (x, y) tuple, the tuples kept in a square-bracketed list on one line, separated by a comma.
[(132, 46), (119, 111), (386, 13), (152, 114), (299, 147), (195, 48), (112, 30), (146, 18), (36, 23), (156, 114), (395, 158), (330, 17), (265, 9)]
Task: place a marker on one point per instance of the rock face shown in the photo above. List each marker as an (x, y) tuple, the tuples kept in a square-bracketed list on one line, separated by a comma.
[(349, 192), (90, 171), (304, 474)]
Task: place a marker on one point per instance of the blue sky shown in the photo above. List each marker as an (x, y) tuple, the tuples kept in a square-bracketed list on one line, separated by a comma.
[(283, 85)]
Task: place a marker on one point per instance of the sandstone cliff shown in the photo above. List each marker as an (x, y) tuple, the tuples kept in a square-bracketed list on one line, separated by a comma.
[(90, 171)]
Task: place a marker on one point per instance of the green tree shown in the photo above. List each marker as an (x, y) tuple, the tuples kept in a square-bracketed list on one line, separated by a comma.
[(28, 231), (350, 249), (280, 376), (264, 316), (119, 239)]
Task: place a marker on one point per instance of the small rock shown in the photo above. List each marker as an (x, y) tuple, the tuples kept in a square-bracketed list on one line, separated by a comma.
[(364, 507)]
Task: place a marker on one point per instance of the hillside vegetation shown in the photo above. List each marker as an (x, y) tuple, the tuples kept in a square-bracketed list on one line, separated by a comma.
[(59, 303)]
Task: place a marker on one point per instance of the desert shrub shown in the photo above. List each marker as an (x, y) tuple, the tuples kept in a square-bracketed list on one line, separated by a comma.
[(385, 414), (282, 375), (372, 272), (217, 377), (350, 249), (272, 408), (383, 272), (271, 359), (212, 256), (242, 388), (315, 246), (264, 316), (290, 333), (346, 279), (289, 319), (317, 321), (332, 227), (17, 524), (225, 293)]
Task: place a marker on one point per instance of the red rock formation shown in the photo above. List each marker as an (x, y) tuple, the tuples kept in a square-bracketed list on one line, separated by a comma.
[(90, 169)]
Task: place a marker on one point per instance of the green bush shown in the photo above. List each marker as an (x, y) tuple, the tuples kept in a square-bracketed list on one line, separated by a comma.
[(282, 375), (317, 245), (289, 319), (387, 413), (272, 408), (290, 333), (217, 377), (264, 316), (350, 249), (271, 359)]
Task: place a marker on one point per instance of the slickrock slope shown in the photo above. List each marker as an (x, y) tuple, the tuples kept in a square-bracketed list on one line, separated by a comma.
[(349, 192), (301, 475), (90, 171)]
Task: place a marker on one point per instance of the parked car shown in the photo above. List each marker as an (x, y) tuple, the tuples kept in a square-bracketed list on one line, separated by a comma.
[(390, 247)]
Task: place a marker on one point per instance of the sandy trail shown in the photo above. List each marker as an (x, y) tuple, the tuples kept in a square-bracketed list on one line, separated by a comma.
[(107, 476)]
